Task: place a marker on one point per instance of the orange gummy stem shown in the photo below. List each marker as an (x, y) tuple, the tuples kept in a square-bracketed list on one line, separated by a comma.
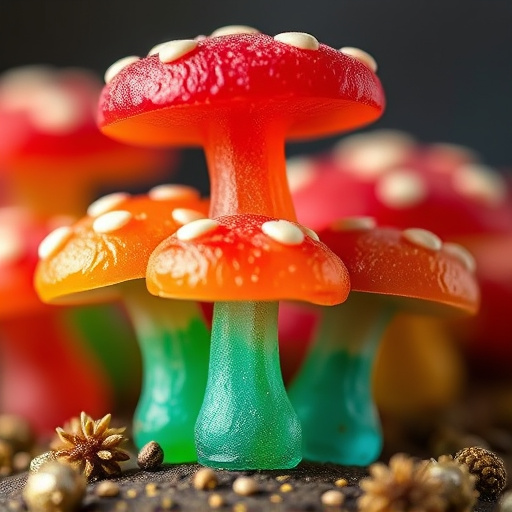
[(247, 166)]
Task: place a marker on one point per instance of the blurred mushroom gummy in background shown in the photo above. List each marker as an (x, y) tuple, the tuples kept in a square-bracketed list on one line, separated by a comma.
[(53, 158), (47, 371), (240, 95)]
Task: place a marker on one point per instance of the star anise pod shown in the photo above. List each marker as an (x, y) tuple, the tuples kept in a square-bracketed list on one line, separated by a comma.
[(404, 485), (91, 446)]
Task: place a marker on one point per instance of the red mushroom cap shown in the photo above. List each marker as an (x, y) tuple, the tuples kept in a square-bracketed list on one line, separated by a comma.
[(247, 257), (388, 175), (412, 266), (48, 125), (112, 243), (309, 88)]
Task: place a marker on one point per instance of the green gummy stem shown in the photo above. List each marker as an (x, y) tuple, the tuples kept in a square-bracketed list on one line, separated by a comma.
[(175, 345), (332, 392), (246, 421), (108, 334)]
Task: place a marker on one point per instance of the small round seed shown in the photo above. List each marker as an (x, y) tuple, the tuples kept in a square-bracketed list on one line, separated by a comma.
[(150, 456), (245, 486), (286, 488), (332, 498), (341, 482), (205, 478), (216, 501)]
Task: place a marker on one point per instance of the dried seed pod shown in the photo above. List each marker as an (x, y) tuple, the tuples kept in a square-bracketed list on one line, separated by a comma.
[(150, 456), (205, 478), (56, 487), (488, 468), (457, 484)]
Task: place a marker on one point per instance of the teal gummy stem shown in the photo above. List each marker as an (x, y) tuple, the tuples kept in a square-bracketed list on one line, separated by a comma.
[(332, 393), (246, 421), (175, 346)]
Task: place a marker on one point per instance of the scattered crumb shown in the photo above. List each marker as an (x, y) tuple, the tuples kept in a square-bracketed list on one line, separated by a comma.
[(216, 501), (205, 478), (341, 482), (286, 488)]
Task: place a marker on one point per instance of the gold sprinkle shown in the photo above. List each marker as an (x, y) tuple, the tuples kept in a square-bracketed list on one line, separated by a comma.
[(151, 490), (341, 482), (166, 502), (275, 498), (286, 488), (205, 478), (131, 493), (216, 501)]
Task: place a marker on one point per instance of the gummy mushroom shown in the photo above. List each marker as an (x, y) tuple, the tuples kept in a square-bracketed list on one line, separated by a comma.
[(46, 369), (390, 271), (53, 158), (245, 264), (239, 94), (103, 257)]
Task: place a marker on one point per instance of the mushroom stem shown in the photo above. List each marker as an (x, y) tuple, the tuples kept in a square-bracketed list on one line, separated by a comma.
[(246, 421), (332, 392), (246, 162), (48, 376), (174, 344)]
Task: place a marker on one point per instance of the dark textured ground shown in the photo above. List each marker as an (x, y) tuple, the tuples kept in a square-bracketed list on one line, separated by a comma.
[(174, 491)]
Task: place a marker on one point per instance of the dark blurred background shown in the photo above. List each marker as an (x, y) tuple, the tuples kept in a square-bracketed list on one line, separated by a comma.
[(446, 65)]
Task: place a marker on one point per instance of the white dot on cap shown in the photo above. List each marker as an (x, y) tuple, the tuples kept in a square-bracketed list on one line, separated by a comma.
[(186, 215), (312, 234), (401, 189), (106, 203), (111, 221), (480, 182), (118, 66), (462, 254), (361, 223), (168, 191), (173, 50), (362, 56), (156, 48), (229, 30), (300, 40), (54, 241), (423, 238), (283, 231), (196, 228)]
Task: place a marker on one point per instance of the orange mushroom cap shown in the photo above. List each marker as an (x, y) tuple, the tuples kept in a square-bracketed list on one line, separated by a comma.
[(247, 257), (112, 243), (308, 88), (412, 266)]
